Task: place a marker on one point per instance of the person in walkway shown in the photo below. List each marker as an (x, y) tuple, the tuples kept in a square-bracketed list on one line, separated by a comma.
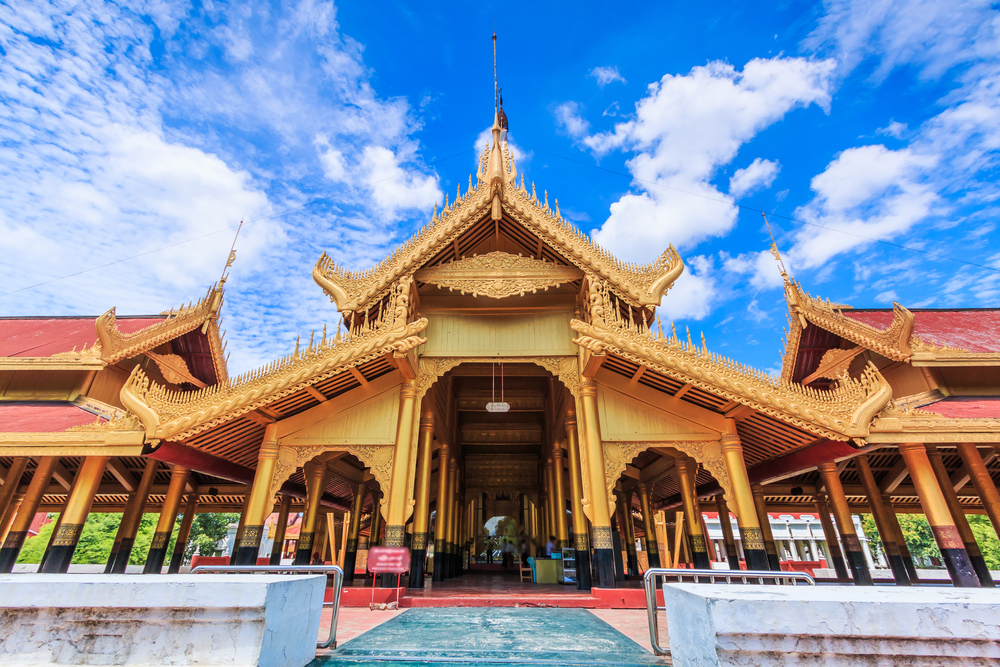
[(523, 549), (550, 546), (508, 554)]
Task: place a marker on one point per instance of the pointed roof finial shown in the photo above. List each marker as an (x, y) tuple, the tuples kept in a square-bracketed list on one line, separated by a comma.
[(232, 256), (774, 249)]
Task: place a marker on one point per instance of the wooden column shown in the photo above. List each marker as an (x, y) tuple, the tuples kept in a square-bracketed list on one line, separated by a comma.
[(316, 475), (953, 552), (421, 509), (183, 533), (845, 524), (122, 525), (10, 484), (439, 521), (78, 504), (375, 525), (746, 512), (732, 555), (581, 543), (686, 469), (278, 546), (882, 521), (599, 511), (235, 551), (958, 514), (652, 548), (633, 557), (904, 549), (835, 556), (165, 525), (550, 500), (351, 554), (8, 516), (133, 519), (26, 513), (982, 481), (261, 501)]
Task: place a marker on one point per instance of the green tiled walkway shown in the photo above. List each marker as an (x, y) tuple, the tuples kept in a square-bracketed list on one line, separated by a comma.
[(488, 636)]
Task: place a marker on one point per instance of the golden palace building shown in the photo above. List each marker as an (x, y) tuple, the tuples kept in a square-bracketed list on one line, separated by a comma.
[(615, 425)]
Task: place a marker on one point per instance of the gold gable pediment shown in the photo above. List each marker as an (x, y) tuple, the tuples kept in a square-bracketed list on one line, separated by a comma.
[(498, 275)]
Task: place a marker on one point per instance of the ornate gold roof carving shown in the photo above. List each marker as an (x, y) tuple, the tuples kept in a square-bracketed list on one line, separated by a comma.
[(842, 413), (169, 414), (495, 190), (498, 275), (115, 345)]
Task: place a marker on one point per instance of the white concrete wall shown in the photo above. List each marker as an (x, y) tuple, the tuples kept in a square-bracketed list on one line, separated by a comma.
[(159, 619), (711, 625)]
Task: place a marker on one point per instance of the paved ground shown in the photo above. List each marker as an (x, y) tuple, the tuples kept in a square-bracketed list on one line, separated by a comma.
[(487, 636)]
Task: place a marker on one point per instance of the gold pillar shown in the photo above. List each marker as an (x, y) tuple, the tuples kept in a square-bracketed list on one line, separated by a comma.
[(8, 517), (845, 524), (278, 546), (550, 499), (773, 560), (375, 525), (561, 524), (904, 549), (183, 533), (26, 512), (581, 543), (165, 525), (440, 524), (649, 527), (958, 514), (75, 514), (398, 500), (600, 513), (133, 519), (316, 475), (421, 508), (882, 522), (10, 484), (732, 555), (687, 469), (935, 507), (351, 553), (746, 511), (453, 517), (261, 502), (835, 556), (982, 482)]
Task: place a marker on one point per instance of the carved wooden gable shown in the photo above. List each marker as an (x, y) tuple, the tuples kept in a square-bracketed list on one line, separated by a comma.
[(498, 275), (370, 422), (625, 419)]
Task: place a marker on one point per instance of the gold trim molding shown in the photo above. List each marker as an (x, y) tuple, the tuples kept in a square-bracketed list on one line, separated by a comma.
[(498, 275)]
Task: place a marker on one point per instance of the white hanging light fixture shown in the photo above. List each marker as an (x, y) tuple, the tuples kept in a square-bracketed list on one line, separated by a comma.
[(494, 406)]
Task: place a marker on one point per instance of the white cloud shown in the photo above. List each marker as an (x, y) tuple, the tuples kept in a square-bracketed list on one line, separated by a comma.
[(521, 156), (759, 175), (682, 132), (887, 297), (393, 188), (606, 75), (893, 129), (568, 118), (694, 293)]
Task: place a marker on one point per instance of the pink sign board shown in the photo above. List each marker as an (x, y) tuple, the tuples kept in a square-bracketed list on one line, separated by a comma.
[(390, 560)]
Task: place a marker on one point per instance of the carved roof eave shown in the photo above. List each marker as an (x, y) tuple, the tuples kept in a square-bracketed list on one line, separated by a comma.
[(640, 285), (116, 346), (896, 425), (171, 415), (843, 413)]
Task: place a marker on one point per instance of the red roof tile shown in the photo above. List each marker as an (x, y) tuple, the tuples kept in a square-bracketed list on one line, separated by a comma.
[(967, 406), (973, 330), (42, 417), (43, 337)]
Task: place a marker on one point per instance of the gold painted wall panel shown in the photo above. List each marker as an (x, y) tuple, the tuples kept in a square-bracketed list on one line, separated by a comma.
[(625, 419), (504, 334), (372, 422)]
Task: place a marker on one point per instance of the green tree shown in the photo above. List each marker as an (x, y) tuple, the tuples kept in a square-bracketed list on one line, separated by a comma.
[(986, 537), (206, 531), (506, 527)]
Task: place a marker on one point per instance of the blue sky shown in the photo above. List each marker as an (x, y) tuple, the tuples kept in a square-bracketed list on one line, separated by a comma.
[(152, 128)]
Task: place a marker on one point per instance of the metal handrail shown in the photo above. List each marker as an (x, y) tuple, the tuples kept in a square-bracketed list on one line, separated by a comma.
[(338, 583), (744, 577)]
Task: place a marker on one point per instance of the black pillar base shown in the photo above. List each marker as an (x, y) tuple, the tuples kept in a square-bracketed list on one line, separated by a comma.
[(439, 558), (154, 561), (417, 559), (898, 570), (733, 557), (389, 581), (616, 541), (983, 570), (11, 550), (701, 561), (773, 562), (583, 580), (246, 555), (175, 562), (963, 574), (840, 567), (350, 562), (123, 555), (604, 559), (859, 568), (275, 559), (60, 556), (303, 552), (911, 569), (633, 564), (756, 559), (112, 556)]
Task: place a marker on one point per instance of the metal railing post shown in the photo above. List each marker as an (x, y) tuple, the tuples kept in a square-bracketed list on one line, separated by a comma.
[(649, 583), (338, 584)]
